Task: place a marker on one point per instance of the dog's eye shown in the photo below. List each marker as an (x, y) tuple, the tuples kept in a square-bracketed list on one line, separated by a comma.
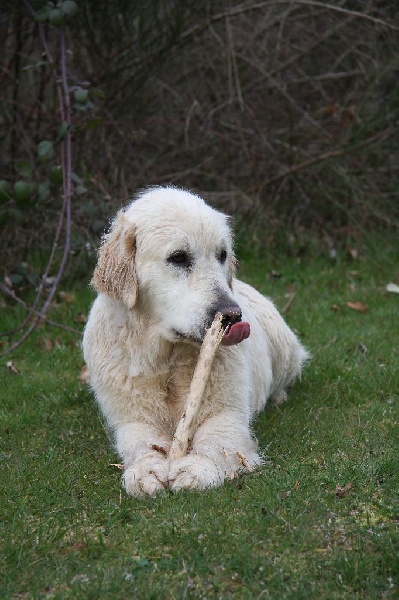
[(223, 256), (180, 259)]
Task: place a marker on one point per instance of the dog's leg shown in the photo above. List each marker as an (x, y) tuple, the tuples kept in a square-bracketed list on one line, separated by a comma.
[(221, 447), (144, 453)]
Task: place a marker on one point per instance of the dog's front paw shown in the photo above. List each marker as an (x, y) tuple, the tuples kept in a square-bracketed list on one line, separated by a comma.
[(148, 475), (194, 471)]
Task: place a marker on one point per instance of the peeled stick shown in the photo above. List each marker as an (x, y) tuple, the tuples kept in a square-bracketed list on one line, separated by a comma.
[(185, 429)]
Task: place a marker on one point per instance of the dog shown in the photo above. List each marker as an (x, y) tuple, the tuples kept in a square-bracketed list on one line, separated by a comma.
[(164, 270)]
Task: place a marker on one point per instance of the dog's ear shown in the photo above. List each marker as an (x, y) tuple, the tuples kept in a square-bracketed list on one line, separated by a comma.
[(115, 273)]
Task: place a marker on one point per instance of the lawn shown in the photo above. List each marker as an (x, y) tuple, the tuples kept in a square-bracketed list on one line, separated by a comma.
[(318, 520)]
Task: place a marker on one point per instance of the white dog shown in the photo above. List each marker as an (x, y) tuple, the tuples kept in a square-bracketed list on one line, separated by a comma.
[(164, 270)]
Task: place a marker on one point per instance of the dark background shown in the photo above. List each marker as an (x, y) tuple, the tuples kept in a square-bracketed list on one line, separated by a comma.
[(282, 113)]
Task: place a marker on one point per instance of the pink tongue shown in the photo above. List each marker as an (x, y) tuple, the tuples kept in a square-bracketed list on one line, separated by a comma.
[(236, 334)]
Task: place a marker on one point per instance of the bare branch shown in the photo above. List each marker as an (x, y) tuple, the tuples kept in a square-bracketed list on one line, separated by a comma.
[(244, 8), (330, 154), (6, 290), (34, 315)]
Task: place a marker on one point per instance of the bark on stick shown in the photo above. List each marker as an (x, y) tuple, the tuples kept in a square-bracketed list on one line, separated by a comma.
[(185, 429)]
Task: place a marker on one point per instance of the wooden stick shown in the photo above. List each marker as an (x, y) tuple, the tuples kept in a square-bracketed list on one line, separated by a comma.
[(186, 426)]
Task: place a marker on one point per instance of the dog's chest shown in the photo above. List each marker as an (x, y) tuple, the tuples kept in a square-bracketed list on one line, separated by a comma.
[(176, 388)]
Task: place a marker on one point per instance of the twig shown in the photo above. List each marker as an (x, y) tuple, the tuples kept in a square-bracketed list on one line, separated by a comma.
[(243, 8), (13, 295), (330, 154), (35, 316), (289, 302), (244, 461), (186, 426)]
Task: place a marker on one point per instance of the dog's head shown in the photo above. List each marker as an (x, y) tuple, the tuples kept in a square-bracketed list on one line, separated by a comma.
[(169, 257)]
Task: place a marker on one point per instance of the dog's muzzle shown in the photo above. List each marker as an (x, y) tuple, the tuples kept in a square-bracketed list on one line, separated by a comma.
[(236, 330)]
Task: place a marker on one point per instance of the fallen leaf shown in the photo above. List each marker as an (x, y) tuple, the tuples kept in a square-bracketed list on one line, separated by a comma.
[(353, 253), (79, 545), (117, 465), (393, 288), (7, 281), (12, 368), (49, 344), (80, 319), (66, 297), (84, 374), (340, 492), (335, 308), (48, 281), (359, 306), (275, 274)]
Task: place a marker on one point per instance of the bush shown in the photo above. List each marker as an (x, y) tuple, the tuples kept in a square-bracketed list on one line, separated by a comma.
[(285, 112)]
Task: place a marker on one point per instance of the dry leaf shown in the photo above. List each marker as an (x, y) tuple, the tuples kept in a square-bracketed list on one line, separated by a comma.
[(340, 492), (79, 545), (335, 308), (12, 368), (7, 282), (275, 274), (117, 465), (49, 344), (393, 288), (84, 374), (353, 253), (66, 297), (359, 306), (80, 318)]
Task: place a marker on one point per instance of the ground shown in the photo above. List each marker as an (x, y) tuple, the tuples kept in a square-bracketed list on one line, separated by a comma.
[(318, 520)]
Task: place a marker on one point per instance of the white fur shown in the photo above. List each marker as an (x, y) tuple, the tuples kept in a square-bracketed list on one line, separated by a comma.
[(142, 340)]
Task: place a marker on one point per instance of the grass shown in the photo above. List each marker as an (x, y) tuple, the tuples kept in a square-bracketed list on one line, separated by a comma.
[(317, 521)]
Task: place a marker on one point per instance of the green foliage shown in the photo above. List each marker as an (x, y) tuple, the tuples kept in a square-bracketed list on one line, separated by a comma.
[(31, 188), (24, 192), (285, 114), (55, 14), (4, 190), (45, 151), (318, 520)]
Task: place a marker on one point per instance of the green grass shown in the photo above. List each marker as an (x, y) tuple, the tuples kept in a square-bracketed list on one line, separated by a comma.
[(285, 531)]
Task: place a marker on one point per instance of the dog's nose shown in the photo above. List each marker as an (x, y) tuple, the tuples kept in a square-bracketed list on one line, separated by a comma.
[(231, 313)]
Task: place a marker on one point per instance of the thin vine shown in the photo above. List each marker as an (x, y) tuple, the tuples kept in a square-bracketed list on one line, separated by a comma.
[(36, 312)]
